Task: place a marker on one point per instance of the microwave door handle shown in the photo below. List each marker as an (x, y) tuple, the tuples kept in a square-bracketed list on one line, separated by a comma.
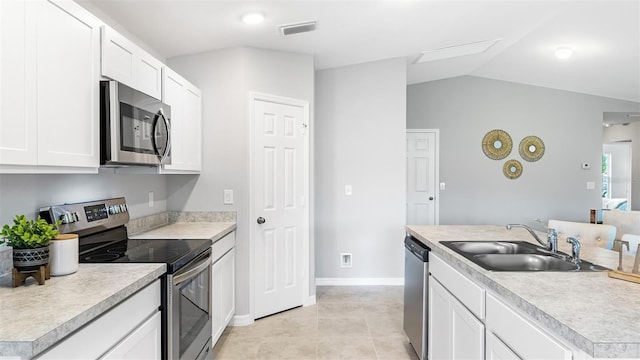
[(161, 157)]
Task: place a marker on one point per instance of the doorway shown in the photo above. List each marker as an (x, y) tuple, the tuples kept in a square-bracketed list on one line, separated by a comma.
[(616, 175), (279, 212), (423, 198)]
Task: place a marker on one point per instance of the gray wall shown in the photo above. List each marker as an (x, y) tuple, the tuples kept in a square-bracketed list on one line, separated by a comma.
[(477, 192), (630, 133), (360, 141), (226, 77), (25, 194)]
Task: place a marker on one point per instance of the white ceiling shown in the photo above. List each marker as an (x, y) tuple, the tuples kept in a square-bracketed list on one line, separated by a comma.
[(605, 35)]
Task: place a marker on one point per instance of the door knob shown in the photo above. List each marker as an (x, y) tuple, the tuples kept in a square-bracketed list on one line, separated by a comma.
[(261, 220), (430, 197)]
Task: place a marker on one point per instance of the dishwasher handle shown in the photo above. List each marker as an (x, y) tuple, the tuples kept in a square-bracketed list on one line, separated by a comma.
[(418, 249)]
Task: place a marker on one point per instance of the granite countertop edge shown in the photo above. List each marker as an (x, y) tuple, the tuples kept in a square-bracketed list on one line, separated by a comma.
[(592, 348), (31, 348), (213, 230)]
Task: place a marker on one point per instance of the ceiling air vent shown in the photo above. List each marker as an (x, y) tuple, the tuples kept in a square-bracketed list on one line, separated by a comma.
[(290, 29)]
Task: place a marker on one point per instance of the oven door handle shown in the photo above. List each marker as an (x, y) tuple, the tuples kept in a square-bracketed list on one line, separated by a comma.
[(193, 272)]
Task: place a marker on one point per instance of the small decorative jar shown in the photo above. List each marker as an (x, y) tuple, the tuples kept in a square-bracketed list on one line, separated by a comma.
[(63, 254)]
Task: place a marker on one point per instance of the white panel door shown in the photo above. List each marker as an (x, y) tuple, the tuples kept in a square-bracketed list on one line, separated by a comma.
[(18, 134), (67, 44), (279, 206), (421, 178)]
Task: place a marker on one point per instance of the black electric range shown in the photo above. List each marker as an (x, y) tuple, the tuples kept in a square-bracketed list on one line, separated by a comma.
[(103, 236), (186, 289)]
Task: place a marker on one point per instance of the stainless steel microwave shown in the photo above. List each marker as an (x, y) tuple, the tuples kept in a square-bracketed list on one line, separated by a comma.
[(135, 128)]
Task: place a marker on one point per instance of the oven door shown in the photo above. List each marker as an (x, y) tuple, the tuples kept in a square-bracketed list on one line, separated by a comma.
[(189, 310)]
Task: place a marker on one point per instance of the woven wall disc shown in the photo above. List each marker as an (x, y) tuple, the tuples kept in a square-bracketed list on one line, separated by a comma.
[(497, 144), (531, 148), (512, 169)]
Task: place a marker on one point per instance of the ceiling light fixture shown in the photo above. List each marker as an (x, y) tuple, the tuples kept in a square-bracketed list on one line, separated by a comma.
[(455, 51), (563, 52), (252, 18)]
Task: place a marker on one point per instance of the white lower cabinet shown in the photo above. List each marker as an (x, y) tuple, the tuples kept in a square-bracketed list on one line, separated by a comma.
[(142, 343), (454, 332), (497, 350), (223, 284), (526, 339), (131, 330)]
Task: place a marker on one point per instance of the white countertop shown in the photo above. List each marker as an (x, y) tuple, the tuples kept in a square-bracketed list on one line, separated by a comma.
[(189, 230), (34, 317), (593, 312)]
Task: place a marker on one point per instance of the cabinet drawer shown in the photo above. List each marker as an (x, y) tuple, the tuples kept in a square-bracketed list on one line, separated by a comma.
[(523, 337), (222, 246), (466, 291)]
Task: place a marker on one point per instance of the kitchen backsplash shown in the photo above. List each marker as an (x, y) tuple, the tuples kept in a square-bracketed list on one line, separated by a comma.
[(146, 223)]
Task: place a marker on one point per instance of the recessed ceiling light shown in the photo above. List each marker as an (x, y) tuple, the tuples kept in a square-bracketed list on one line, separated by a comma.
[(563, 52), (252, 18), (455, 51)]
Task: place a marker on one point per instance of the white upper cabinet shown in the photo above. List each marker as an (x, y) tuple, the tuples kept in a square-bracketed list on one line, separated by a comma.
[(49, 61), (18, 134), (185, 101), (124, 61)]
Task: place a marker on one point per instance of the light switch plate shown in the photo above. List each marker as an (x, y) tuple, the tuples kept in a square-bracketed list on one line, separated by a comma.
[(591, 185), (442, 186), (348, 190), (228, 197)]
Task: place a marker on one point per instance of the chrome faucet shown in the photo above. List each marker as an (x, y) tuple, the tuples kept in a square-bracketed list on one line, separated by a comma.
[(575, 249), (552, 237)]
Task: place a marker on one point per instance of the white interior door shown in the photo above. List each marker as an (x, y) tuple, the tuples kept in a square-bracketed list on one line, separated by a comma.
[(280, 172), (422, 177)]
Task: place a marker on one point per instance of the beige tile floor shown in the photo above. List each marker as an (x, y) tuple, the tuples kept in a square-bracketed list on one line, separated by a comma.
[(347, 322)]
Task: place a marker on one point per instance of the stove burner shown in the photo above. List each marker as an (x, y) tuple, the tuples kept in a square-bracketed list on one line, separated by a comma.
[(101, 257)]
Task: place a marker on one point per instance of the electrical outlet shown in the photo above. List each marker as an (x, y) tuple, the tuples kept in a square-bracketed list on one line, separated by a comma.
[(586, 166), (150, 198), (345, 260)]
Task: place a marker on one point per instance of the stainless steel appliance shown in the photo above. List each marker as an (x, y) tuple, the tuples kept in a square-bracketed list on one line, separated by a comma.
[(186, 287), (416, 294), (135, 128)]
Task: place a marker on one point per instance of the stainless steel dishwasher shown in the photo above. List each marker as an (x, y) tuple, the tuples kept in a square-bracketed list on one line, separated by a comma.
[(416, 277)]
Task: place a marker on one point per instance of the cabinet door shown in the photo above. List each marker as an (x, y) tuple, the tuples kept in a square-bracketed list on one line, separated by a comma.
[(454, 332), (17, 131), (439, 337), (186, 122), (142, 343), (467, 333), (124, 61), (223, 293), (497, 350), (67, 55)]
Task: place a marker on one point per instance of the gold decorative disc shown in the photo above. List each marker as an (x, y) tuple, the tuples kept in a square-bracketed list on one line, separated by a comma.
[(497, 144), (512, 169), (531, 148)]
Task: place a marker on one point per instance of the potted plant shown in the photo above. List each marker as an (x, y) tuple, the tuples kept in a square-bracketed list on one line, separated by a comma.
[(30, 241)]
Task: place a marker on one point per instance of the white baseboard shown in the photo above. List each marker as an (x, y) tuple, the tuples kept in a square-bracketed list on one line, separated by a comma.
[(359, 281), (241, 320), (311, 300)]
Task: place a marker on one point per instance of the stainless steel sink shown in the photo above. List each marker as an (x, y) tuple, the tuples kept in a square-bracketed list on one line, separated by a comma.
[(494, 247), (517, 256)]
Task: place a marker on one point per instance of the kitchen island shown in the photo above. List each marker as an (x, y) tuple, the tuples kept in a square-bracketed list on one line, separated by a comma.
[(35, 317), (591, 312)]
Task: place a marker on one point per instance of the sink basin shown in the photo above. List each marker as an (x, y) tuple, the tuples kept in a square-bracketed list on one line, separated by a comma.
[(525, 262), (516, 256), (493, 247)]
